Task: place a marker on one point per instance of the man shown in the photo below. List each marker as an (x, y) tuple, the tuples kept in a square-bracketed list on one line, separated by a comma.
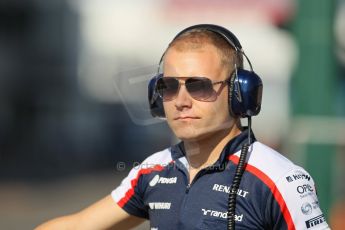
[(187, 186)]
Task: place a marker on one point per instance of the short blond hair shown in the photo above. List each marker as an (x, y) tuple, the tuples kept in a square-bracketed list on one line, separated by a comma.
[(198, 38)]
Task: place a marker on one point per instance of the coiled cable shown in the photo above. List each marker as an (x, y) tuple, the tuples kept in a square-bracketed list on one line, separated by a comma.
[(237, 180)]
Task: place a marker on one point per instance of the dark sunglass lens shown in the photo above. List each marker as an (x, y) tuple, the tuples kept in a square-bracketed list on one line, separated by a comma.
[(200, 88), (167, 88)]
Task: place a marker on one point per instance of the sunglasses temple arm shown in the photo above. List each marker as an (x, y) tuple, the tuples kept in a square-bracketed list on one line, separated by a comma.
[(221, 87)]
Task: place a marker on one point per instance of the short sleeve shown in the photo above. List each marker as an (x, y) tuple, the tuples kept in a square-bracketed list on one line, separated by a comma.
[(129, 196), (299, 205)]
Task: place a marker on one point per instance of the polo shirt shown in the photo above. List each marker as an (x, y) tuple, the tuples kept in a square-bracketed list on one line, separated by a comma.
[(274, 193)]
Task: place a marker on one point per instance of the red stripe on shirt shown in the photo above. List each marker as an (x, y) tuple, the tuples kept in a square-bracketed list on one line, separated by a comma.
[(270, 184), (134, 183)]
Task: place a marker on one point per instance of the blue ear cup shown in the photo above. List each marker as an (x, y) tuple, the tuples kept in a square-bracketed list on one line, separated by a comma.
[(245, 93), (155, 101)]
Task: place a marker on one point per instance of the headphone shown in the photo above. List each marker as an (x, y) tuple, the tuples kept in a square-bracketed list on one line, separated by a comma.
[(245, 86)]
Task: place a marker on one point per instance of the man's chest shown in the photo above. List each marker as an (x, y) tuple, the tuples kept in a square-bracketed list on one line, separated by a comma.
[(174, 203)]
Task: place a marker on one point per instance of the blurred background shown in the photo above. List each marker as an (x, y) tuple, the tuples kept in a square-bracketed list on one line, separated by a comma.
[(73, 110)]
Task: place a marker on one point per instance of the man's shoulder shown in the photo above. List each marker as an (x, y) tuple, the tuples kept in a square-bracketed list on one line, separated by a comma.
[(154, 163), (161, 158), (262, 150), (270, 162), (291, 186)]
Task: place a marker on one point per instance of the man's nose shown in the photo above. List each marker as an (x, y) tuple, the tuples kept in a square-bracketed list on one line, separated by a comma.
[(183, 99)]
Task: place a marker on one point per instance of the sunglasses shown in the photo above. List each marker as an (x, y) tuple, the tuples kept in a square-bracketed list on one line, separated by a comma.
[(199, 88)]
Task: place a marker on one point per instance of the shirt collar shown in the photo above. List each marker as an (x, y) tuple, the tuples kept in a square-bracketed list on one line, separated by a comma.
[(234, 145)]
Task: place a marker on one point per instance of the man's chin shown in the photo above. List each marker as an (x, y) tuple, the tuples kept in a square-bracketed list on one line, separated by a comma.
[(193, 137), (187, 136), (199, 134)]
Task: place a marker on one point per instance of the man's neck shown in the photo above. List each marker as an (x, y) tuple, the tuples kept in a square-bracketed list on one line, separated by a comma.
[(203, 153)]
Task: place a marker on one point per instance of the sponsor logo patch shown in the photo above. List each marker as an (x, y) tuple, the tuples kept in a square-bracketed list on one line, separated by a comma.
[(306, 208), (159, 205), (298, 176), (224, 215), (289, 179), (305, 190), (162, 180), (226, 189), (315, 221)]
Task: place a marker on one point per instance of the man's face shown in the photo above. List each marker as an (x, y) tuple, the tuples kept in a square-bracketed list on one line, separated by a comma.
[(191, 119)]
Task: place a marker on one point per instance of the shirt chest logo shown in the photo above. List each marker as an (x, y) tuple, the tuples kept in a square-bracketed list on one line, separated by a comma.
[(224, 215), (162, 180), (159, 205), (226, 189)]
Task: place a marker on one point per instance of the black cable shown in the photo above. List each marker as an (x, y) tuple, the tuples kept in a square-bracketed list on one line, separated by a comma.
[(237, 180)]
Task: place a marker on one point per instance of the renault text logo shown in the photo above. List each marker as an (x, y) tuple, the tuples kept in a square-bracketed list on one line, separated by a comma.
[(226, 189)]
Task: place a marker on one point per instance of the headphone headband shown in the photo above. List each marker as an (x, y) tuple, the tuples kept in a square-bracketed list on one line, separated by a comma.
[(226, 34)]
